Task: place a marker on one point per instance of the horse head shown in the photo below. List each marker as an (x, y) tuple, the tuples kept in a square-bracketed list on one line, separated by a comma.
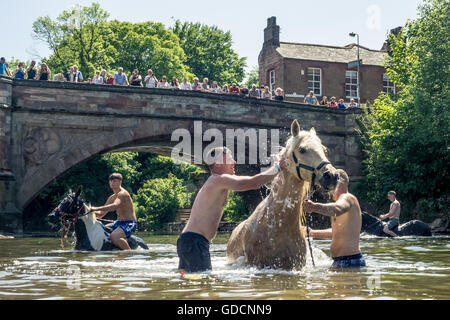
[(70, 208), (307, 160)]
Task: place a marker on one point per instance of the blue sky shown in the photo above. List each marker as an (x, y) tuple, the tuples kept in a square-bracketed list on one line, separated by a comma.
[(319, 21)]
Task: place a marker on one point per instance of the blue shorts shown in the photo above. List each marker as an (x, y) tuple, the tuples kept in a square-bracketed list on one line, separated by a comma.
[(127, 226), (392, 224), (353, 261)]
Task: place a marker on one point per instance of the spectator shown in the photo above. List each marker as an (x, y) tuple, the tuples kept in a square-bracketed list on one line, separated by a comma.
[(234, 89), (4, 70), (341, 104), (103, 75), (135, 79), (44, 73), (279, 94), (352, 104), (174, 84), (196, 86), (261, 91), (324, 101), (150, 79), (215, 87), (266, 93), (244, 92), (333, 103), (31, 71), (205, 85), (70, 76), (311, 99), (88, 81), (59, 77), (19, 73), (185, 85), (78, 74), (109, 79), (163, 83), (120, 79), (98, 79), (225, 88), (254, 93)]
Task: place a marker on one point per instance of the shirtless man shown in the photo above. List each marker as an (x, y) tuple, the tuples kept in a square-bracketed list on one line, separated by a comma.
[(122, 203), (193, 243), (345, 216), (393, 214)]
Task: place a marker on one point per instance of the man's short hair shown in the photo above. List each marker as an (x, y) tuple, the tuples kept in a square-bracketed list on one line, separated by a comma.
[(215, 154), (115, 176), (343, 176), (392, 192)]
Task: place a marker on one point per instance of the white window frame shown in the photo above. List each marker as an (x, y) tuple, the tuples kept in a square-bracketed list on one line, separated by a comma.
[(352, 85), (272, 81), (390, 86), (314, 81)]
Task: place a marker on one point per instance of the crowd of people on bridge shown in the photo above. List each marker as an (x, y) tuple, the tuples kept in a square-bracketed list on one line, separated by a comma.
[(119, 78)]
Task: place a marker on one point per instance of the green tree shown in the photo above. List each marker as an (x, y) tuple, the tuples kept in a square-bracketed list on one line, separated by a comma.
[(76, 36), (406, 137), (237, 209), (209, 52), (252, 77)]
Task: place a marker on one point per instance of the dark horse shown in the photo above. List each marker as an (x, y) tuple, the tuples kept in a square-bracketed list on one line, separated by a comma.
[(374, 226), (90, 234)]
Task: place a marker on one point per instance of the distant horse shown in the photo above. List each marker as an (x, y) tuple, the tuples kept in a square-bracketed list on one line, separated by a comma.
[(271, 236), (90, 234), (374, 226)]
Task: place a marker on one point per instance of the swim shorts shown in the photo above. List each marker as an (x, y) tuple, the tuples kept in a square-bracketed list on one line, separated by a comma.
[(353, 261), (193, 251), (392, 224), (127, 226)]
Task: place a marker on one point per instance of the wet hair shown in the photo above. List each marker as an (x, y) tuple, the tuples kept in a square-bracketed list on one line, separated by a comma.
[(393, 193), (343, 177), (115, 176), (214, 153)]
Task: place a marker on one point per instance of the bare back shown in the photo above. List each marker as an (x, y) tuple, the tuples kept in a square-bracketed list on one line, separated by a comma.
[(346, 229), (207, 209), (125, 211), (394, 212)]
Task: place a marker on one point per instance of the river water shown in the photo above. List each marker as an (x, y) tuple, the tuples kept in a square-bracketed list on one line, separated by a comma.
[(403, 268)]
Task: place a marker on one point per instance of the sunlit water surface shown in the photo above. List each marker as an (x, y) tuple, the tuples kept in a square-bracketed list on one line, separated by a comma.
[(37, 268)]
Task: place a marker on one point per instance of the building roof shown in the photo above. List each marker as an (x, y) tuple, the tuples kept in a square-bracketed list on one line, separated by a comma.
[(317, 52)]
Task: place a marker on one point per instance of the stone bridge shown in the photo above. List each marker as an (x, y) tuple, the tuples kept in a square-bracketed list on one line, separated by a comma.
[(46, 128)]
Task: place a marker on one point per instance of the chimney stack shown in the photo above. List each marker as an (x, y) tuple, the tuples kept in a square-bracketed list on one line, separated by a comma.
[(272, 33)]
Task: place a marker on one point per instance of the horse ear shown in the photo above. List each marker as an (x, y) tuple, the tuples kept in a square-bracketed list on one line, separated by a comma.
[(295, 128), (78, 193), (313, 131)]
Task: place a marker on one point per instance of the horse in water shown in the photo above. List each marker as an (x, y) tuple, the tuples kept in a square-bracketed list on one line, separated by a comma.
[(272, 236), (374, 226), (90, 234)]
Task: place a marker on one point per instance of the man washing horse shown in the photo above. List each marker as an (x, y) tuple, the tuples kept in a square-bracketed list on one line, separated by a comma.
[(345, 215), (121, 202), (207, 210)]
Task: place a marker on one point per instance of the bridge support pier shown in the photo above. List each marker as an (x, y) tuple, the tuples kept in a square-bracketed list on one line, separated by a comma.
[(10, 216)]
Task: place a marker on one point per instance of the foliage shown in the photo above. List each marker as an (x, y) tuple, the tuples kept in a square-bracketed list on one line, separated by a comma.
[(209, 52), (158, 200), (236, 209), (406, 137), (252, 77)]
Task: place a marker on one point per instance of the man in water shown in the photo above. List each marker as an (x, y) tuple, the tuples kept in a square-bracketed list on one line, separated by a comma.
[(193, 243), (121, 202), (346, 220), (393, 214)]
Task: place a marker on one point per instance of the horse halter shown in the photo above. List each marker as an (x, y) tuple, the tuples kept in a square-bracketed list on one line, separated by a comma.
[(299, 165)]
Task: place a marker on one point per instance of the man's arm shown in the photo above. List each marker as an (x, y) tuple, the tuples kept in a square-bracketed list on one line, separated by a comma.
[(391, 213), (337, 208), (318, 234), (244, 183), (110, 205)]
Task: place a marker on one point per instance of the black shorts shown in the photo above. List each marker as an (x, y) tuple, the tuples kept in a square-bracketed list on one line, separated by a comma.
[(193, 251)]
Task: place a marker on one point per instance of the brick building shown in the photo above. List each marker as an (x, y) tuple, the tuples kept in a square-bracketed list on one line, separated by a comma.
[(299, 68)]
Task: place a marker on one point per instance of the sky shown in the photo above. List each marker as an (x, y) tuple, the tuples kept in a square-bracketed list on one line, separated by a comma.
[(318, 22)]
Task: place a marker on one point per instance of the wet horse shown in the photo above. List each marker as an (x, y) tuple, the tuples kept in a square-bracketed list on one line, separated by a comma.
[(374, 226), (272, 237), (90, 234)]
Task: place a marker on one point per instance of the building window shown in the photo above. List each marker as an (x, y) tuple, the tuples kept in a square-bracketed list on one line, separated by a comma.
[(315, 80), (351, 84), (388, 85), (272, 81)]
